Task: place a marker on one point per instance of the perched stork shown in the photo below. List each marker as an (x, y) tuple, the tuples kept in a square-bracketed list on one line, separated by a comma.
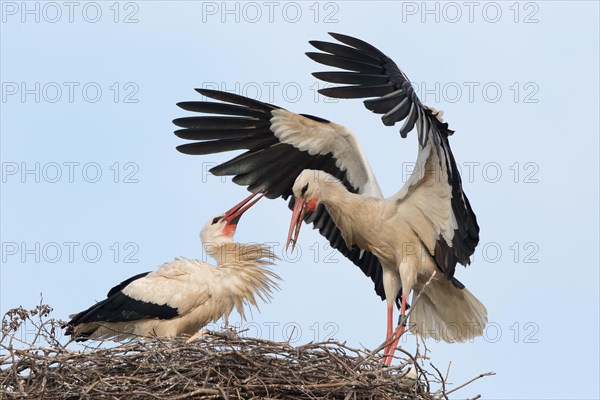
[(399, 241), (184, 295)]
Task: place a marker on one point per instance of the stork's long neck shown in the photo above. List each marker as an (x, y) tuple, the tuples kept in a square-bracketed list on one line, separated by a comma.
[(345, 208)]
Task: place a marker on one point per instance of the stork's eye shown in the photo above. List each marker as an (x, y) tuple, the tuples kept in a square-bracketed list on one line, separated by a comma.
[(215, 220), (304, 189)]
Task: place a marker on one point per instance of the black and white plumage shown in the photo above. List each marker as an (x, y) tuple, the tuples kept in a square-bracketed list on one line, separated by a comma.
[(280, 145), (373, 74), (184, 295), (431, 213)]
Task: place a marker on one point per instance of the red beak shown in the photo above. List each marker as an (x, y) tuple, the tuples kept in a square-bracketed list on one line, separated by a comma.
[(233, 216), (296, 223)]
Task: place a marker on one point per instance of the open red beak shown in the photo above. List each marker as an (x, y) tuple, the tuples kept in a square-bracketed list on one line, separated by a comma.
[(296, 223), (233, 216)]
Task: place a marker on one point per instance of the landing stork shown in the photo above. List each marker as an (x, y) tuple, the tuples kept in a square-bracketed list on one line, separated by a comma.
[(399, 241), (184, 295)]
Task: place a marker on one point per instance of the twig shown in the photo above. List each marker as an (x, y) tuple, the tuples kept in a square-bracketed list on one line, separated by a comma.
[(471, 381)]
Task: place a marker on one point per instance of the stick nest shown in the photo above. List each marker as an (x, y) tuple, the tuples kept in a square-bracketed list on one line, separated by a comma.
[(217, 365)]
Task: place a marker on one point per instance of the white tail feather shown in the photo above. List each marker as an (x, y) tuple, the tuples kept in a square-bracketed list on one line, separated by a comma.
[(446, 313)]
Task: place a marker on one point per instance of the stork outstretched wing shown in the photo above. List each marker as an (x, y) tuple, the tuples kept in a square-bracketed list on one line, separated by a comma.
[(434, 192), (279, 145)]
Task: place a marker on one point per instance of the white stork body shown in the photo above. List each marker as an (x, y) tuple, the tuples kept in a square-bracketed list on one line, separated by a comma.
[(391, 229), (427, 226), (184, 295)]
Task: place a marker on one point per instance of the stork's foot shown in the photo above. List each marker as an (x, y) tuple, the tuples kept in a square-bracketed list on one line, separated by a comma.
[(197, 335)]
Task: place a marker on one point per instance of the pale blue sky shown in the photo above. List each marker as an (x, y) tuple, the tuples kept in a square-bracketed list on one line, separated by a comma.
[(517, 81)]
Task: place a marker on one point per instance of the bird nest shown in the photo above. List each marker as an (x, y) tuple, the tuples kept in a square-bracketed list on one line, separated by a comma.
[(217, 365)]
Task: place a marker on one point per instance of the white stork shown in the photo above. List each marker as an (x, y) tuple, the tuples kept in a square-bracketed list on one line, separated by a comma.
[(184, 295), (397, 241)]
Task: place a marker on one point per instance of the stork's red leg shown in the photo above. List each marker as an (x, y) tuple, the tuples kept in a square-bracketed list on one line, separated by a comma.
[(397, 334), (390, 318)]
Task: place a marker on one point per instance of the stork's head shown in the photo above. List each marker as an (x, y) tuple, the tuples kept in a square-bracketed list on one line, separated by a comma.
[(221, 228), (307, 195)]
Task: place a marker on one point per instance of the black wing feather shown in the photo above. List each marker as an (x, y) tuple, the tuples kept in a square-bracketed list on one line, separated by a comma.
[(345, 63), (218, 108), (344, 51), (218, 146), (126, 282), (354, 78), (209, 134), (356, 92), (212, 123)]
